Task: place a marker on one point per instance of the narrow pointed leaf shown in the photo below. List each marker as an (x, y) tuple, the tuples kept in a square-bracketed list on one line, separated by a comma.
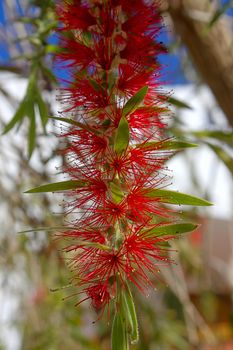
[(42, 109), (226, 6), (32, 130), (222, 154), (122, 136), (133, 103), (74, 122), (130, 315), (119, 336), (117, 194), (50, 228), (58, 186), (173, 197), (16, 118), (178, 103), (95, 85), (174, 229), (223, 136), (167, 145)]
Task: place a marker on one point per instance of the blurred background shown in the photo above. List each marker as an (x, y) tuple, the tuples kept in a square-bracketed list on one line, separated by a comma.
[(192, 307)]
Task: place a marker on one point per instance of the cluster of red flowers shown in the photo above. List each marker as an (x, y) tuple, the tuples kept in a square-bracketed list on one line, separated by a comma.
[(113, 148)]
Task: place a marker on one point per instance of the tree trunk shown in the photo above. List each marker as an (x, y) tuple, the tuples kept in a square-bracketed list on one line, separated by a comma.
[(211, 50)]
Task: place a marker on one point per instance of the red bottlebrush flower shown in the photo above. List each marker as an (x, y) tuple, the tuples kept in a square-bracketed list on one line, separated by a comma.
[(144, 255), (107, 22), (85, 145), (75, 16), (111, 50), (132, 77), (104, 53), (142, 207), (99, 296), (86, 97), (76, 55), (147, 123), (150, 25)]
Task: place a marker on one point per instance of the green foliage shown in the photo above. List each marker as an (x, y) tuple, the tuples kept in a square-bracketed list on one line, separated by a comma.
[(117, 194), (173, 197), (130, 316), (217, 135), (219, 13), (223, 155), (134, 102), (74, 122), (119, 334), (168, 144), (122, 136), (178, 103), (173, 229), (41, 27), (58, 186)]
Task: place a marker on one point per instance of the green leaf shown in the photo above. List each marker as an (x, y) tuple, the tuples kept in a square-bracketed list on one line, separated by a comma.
[(117, 194), (223, 155), (74, 122), (87, 38), (178, 103), (42, 109), (173, 197), (30, 93), (130, 315), (122, 136), (167, 145), (95, 85), (58, 186), (32, 129), (228, 4), (17, 117), (174, 229), (223, 136), (119, 336), (49, 228), (133, 103)]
